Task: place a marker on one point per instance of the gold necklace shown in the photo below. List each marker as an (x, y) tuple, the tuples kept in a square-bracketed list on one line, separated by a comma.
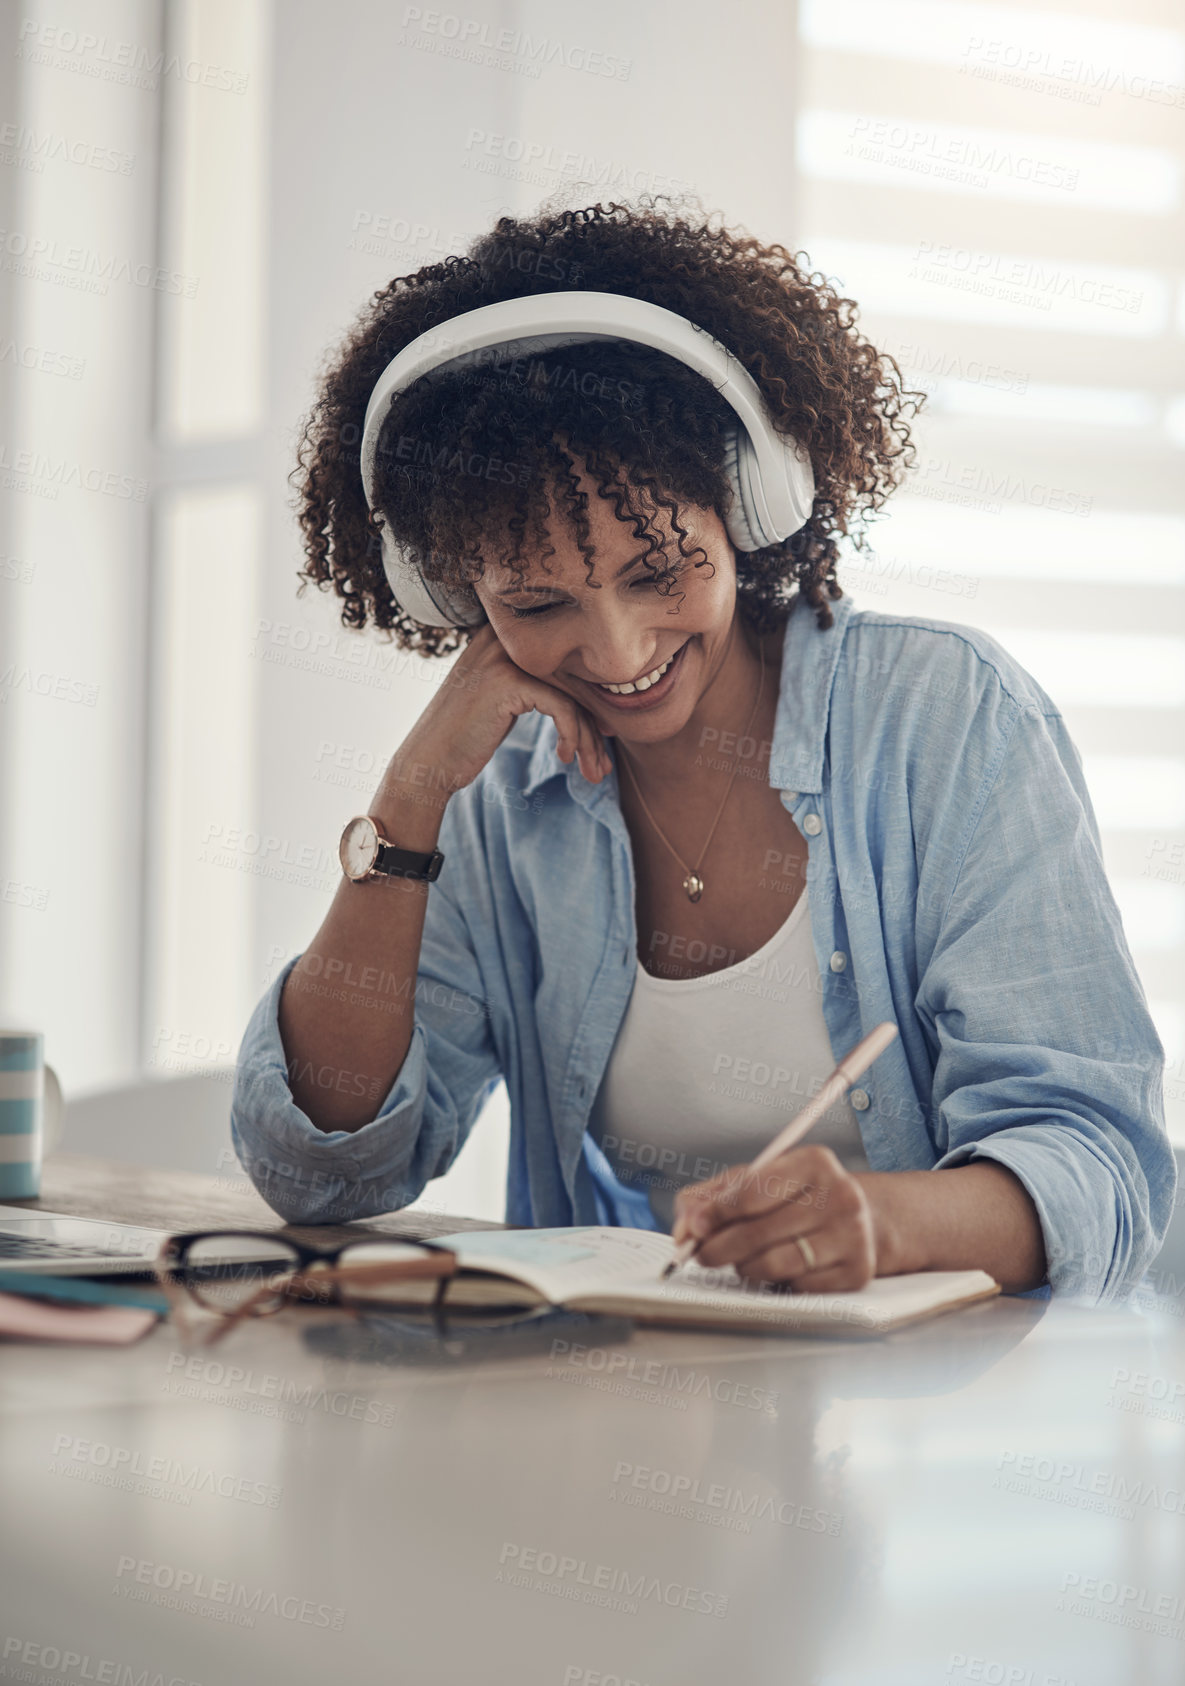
[(693, 882)]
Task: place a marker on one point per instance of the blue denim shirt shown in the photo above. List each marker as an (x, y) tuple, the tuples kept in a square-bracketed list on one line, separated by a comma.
[(955, 865)]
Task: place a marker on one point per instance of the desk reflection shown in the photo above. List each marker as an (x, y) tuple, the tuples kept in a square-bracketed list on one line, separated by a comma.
[(988, 1496)]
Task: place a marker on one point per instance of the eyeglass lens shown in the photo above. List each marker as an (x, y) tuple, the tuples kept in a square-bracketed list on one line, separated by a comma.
[(390, 1273), (224, 1271)]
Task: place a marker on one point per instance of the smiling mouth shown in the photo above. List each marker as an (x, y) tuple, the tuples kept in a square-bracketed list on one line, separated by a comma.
[(645, 683)]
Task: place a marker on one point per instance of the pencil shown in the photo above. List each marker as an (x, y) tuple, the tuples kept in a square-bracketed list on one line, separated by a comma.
[(845, 1073)]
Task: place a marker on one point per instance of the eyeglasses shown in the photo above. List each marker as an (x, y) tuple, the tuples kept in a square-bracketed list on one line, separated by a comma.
[(237, 1274)]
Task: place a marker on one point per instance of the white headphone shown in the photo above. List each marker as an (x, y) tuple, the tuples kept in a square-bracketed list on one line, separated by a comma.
[(770, 475)]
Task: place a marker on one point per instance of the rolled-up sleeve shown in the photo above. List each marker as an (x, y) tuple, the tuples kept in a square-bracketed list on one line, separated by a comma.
[(309, 1175), (1047, 1057)]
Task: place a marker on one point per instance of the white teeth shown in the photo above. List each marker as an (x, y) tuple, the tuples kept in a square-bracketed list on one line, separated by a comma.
[(642, 684)]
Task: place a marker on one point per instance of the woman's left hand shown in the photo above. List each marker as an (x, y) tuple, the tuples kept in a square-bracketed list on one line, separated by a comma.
[(755, 1221)]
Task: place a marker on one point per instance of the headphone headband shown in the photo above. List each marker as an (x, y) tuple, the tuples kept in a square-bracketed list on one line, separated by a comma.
[(770, 474)]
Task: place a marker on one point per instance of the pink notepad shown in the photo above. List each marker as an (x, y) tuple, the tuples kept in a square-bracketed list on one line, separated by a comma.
[(112, 1325)]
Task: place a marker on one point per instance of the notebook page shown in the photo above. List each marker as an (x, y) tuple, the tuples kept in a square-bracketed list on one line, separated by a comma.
[(882, 1304), (561, 1263)]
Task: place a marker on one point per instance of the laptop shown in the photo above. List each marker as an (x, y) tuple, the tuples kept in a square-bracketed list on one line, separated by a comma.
[(52, 1244)]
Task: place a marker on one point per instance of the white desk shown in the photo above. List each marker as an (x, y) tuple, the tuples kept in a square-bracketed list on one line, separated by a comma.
[(861, 1514)]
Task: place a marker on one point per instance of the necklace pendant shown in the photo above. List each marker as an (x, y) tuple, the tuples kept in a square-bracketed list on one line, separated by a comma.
[(694, 885)]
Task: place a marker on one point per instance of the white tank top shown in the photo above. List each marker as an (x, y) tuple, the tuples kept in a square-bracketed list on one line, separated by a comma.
[(706, 1071)]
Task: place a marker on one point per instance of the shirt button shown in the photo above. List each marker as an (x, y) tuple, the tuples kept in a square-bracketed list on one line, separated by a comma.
[(812, 825), (790, 797), (859, 1099), (838, 961)]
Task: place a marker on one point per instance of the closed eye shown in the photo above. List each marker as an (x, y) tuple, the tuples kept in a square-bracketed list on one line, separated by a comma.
[(653, 579), (521, 614)]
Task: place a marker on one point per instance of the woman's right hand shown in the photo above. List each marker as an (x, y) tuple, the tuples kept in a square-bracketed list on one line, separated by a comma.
[(478, 702)]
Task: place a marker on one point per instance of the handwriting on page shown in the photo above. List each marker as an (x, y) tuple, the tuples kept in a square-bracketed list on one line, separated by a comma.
[(693, 1277)]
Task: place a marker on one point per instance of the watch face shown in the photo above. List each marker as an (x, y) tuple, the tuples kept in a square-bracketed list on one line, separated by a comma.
[(359, 847)]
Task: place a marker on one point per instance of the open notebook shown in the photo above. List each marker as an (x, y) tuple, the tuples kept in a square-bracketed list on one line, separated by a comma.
[(618, 1271)]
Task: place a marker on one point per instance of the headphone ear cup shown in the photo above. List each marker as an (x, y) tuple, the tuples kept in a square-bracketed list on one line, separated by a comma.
[(741, 524), (750, 524), (428, 602)]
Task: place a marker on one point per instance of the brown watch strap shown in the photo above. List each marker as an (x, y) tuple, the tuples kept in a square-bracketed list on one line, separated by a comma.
[(392, 862)]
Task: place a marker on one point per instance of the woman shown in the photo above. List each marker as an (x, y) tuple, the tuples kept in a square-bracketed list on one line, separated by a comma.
[(701, 829)]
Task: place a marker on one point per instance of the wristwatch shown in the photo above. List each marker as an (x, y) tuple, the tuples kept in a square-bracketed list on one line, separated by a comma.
[(365, 853)]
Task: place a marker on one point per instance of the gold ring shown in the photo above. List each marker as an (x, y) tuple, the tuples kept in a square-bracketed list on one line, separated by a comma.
[(808, 1252)]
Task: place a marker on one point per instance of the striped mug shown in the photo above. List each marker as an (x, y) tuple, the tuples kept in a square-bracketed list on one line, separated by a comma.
[(30, 1112)]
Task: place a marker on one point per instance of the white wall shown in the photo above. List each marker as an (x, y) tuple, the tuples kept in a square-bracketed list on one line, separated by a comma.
[(77, 258)]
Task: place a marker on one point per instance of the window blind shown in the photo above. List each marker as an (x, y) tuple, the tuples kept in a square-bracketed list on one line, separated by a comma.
[(999, 189)]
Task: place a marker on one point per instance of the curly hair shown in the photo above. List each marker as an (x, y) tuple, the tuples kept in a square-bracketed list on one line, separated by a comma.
[(650, 431)]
